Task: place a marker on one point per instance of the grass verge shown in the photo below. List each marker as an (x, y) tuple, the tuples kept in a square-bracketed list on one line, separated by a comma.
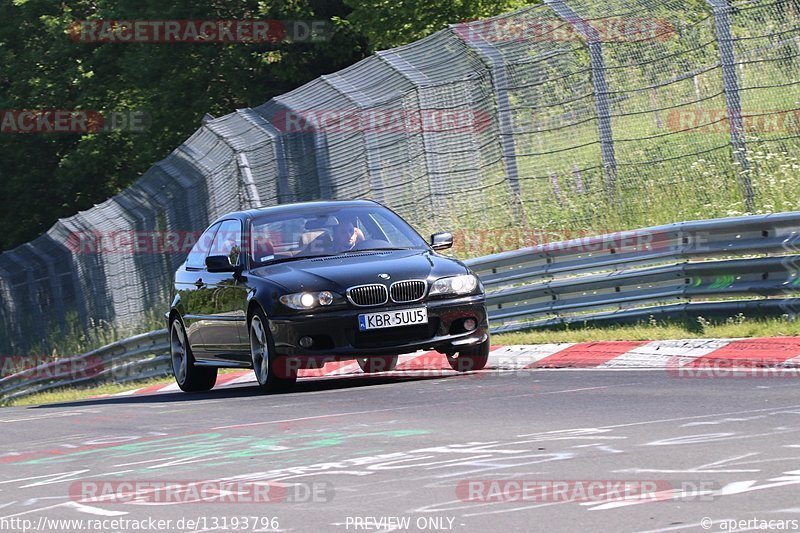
[(737, 327), (71, 394)]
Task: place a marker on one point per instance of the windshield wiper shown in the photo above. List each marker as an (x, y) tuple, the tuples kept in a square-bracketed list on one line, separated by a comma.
[(387, 249), (291, 258)]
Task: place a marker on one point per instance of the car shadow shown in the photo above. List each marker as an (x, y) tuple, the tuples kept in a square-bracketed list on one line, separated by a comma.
[(245, 390)]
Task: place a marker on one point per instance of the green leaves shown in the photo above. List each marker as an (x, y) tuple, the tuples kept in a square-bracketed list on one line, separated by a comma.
[(56, 175)]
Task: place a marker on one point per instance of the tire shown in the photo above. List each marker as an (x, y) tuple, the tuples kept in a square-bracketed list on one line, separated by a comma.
[(190, 378), (273, 373), (471, 358), (371, 365)]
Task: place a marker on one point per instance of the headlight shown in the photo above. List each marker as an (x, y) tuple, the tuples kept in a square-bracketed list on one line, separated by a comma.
[(308, 300), (463, 284)]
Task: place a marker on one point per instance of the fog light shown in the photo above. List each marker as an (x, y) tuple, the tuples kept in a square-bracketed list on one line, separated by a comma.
[(306, 342), (470, 324)]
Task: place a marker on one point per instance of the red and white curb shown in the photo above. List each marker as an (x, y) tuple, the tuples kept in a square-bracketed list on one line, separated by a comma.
[(683, 357)]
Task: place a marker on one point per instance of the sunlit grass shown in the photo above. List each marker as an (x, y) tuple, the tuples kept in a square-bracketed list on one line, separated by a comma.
[(737, 327), (71, 394)]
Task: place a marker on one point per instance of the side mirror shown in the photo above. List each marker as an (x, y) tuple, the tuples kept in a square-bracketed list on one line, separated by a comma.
[(219, 263), (441, 241)]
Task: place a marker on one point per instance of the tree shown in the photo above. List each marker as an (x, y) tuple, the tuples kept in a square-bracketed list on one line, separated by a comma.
[(47, 176), (391, 23)]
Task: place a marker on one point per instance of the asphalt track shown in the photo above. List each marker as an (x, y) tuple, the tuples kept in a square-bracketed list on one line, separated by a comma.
[(356, 453)]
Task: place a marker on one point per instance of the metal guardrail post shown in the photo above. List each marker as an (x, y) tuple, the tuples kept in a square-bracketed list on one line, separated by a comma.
[(602, 104), (721, 10)]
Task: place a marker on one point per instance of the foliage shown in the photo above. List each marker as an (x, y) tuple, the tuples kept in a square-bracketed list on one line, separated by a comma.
[(388, 24), (55, 175)]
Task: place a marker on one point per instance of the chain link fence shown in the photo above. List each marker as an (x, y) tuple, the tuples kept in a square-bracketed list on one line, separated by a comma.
[(567, 118)]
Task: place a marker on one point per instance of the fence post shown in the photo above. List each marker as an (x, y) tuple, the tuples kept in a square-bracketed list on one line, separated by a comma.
[(419, 80), (282, 188), (492, 57), (602, 105), (250, 189), (722, 29), (55, 287), (353, 94)]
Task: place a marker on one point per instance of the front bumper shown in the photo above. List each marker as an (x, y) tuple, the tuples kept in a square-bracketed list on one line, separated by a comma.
[(336, 333)]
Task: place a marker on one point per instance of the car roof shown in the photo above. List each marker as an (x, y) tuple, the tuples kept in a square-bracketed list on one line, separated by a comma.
[(297, 207)]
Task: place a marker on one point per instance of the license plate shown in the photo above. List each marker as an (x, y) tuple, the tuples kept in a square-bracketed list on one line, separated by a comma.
[(393, 319)]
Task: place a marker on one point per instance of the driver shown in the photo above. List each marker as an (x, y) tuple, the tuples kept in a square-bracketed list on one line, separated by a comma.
[(346, 235)]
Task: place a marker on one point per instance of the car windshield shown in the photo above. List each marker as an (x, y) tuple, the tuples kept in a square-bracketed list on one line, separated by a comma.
[(328, 231)]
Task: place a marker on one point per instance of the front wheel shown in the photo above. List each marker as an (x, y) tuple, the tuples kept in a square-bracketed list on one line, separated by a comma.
[(273, 373), (384, 363), (471, 358), (190, 378)]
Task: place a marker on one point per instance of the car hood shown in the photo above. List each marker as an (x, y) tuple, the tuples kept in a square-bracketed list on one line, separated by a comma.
[(337, 273)]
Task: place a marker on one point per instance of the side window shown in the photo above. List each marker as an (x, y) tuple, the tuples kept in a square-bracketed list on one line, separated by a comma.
[(228, 241), (197, 257)]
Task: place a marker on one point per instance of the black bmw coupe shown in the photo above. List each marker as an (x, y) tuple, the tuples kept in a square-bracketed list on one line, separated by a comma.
[(299, 285)]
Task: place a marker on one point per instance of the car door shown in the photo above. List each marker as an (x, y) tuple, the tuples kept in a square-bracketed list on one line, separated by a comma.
[(224, 329), (192, 289)]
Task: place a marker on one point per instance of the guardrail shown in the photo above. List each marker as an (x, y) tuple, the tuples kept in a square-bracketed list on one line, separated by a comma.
[(722, 266), (713, 267), (132, 359)]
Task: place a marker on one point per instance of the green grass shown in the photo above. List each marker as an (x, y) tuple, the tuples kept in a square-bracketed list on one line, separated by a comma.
[(71, 394), (737, 327), (74, 339), (664, 174), (68, 394)]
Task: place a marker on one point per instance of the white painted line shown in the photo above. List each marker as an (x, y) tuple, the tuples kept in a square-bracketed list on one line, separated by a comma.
[(334, 415), (43, 416), (128, 392)]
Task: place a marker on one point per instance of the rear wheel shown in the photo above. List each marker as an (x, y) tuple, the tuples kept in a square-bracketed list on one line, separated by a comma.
[(273, 373), (471, 358), (384, 363), (190, 378)]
